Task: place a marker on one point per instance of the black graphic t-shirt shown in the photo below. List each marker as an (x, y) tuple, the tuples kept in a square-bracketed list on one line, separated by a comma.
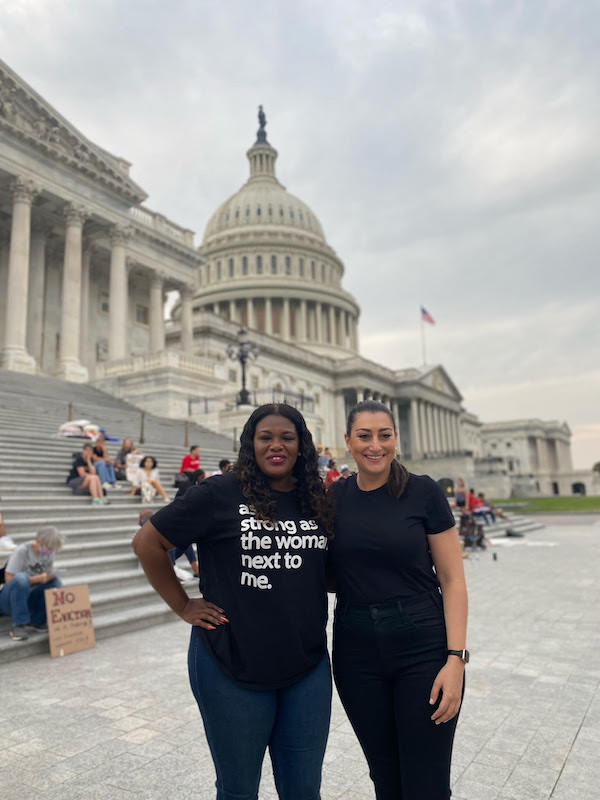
[(268, 577), (380, 550)]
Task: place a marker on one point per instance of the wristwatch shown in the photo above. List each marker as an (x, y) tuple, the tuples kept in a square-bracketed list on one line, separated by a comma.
[(463, 654)]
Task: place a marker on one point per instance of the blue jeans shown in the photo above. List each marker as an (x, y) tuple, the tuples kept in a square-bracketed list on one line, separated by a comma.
[(24, 601), (176, 552), (106, 472), (241, 723)]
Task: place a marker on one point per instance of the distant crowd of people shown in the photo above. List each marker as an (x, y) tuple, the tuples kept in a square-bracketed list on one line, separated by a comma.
[(474, 510)]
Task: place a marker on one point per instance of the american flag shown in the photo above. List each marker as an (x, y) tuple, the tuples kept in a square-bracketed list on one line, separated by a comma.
[(426, 316)]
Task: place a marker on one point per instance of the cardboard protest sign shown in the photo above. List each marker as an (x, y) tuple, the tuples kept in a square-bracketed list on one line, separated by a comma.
[(69, 616)]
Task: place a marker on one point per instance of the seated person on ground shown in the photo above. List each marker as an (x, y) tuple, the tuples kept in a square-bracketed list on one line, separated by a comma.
[(82, 478), (121, 459), (224, 466), (176, 552), (28, 573), (197, 476), (147, 481), (191, 462), (333, 474), (104, 463), (6, 543)]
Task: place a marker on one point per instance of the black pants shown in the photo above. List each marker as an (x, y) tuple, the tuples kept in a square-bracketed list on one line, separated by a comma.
[(385, 660)]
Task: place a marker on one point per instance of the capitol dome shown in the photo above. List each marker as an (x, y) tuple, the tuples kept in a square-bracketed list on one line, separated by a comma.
[(268, 265)]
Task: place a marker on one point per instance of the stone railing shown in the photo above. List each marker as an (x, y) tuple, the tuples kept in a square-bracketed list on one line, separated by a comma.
[(147, 362), (162, 225)]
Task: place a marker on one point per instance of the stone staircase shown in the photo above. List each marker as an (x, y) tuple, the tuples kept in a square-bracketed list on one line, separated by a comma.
[(34, 464)]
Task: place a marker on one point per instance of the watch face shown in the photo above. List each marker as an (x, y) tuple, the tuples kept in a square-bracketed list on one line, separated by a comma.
[(467, 656)]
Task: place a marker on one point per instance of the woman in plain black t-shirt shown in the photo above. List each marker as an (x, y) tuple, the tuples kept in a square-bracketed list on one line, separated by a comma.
[(258, 662), (401, 608)]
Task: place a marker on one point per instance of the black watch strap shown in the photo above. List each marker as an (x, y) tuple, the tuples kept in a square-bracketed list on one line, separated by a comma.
[(462, 654)]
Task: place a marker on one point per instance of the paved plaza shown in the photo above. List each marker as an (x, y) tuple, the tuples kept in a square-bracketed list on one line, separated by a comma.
[(119, 722)]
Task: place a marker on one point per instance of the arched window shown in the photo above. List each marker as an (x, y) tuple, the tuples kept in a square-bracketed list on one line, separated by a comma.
[(274, 265), (231, 268), (247, 211), (244, 265), (301, 267), (218, 270), (270, 211), (291, 214), (323, 272), (281, 211), (237, 213), (259, 265), (258, 211), (288, 265), (313, 270)]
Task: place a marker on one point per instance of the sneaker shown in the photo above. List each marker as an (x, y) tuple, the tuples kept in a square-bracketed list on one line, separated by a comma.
[(105, 501), (18, 633), (37, 628), (97, 501), (182, 574), (107, 486), (6, 543)]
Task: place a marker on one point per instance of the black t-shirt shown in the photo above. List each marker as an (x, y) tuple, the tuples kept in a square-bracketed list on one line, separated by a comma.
[(268, 577), (78, 461), (380, 550)]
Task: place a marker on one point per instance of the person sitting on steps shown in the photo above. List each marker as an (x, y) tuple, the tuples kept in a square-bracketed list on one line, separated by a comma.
[(83, 479), (147, 481), (28, 573), (104, 463)]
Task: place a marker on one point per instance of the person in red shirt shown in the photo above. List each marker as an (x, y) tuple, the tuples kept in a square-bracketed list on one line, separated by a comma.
[(473, 501), (333, 473), (191, 462)]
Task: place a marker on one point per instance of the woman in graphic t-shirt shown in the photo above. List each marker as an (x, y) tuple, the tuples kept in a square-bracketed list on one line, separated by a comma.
[(258, 660), (400, 626)]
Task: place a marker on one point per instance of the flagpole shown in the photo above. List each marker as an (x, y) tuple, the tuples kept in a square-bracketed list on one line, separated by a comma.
[(423, 351)]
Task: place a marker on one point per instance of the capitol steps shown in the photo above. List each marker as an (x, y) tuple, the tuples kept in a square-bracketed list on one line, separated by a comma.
[(34, 464)]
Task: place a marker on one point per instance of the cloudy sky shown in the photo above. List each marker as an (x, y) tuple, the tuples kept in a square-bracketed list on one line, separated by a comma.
[(450, 150)]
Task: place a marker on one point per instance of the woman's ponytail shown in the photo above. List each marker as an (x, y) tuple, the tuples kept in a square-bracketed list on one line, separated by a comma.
[(398, 478)]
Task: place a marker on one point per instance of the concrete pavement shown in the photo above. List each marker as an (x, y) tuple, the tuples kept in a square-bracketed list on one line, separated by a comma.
[(119, 722)]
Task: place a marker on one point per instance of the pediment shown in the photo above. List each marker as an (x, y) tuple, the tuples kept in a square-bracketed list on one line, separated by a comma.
[(25, 115), (438, 379)]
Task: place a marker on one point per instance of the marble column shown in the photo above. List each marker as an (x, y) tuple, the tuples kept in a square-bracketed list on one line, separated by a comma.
[(415, 435), (187, 322), (118, 346), (84, 307), (157, 313), (303, 322), (457, 432), (268, 315), (37, 288), (232, 314), (69, 367), (4, 249), (319, 322), (332, 336), (284, 327), (14, 353), (424, 427), (339, 420), (251, 314), (354, 334)]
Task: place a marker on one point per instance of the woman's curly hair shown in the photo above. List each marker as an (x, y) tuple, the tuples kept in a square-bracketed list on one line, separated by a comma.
[(309, 489)]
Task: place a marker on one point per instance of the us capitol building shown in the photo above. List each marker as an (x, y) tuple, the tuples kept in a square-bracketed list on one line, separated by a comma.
[(85, 267)]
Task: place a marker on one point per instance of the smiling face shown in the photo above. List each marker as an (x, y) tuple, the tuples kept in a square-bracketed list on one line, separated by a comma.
[(372, 442), (276, 448)]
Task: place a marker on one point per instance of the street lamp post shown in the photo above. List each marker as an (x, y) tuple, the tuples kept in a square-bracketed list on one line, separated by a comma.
[(244, 351)]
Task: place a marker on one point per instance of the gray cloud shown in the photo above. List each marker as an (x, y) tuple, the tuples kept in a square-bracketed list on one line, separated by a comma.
[(449, 149)]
